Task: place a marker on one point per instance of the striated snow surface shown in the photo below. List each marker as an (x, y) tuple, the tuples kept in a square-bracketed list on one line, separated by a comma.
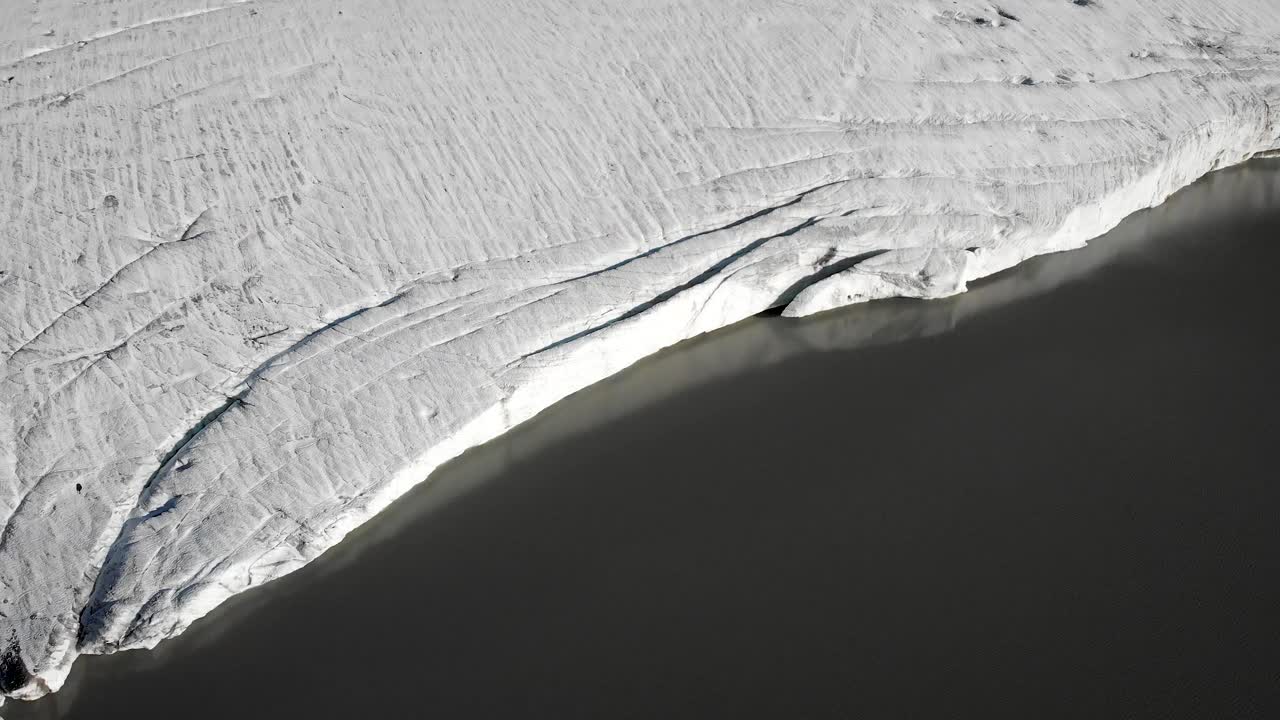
[(267, 264)]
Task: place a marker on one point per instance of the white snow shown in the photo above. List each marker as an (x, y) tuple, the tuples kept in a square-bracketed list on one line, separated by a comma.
[(267, 264)]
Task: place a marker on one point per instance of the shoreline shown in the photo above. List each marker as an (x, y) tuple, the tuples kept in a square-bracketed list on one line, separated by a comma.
[(898, 320)]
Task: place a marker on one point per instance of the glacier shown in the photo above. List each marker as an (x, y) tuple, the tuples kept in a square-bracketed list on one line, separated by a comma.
[(267, 264)]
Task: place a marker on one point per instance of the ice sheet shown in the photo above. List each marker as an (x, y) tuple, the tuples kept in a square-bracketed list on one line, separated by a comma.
[(267, 264)]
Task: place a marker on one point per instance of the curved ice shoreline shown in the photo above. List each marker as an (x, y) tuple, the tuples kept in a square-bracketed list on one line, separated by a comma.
[(246, 323)]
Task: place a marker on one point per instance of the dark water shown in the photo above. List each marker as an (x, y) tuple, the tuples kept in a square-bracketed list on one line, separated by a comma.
[(1055, 496)]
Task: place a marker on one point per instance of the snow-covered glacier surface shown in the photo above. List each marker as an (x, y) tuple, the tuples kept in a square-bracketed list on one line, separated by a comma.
[(266, 264)]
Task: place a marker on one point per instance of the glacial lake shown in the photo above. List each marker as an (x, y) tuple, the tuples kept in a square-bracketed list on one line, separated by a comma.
[(1054, 496)]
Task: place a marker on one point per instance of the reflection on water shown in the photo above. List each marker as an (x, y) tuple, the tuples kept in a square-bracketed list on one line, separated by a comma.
[(1190, 220), (580, 547)]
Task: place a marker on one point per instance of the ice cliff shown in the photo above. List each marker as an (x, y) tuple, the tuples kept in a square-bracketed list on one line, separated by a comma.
[(266, 264)]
